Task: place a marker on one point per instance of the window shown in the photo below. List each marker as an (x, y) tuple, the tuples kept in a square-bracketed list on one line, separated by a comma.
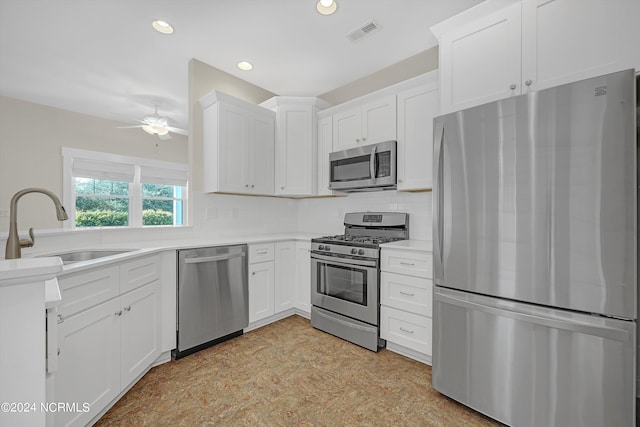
[(107, 190)]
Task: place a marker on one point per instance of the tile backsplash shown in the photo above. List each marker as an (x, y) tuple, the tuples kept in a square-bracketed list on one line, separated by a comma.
[(220, 215)]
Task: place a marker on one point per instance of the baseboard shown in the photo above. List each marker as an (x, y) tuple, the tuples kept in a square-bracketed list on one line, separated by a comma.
[(274, 318), (162, 359), (410, 353)]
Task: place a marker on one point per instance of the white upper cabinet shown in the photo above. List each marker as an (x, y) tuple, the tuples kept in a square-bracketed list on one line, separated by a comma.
[(238, 146), (507, 47), (296, 144), (365, 124), (480, 60), (416, 109), (325, 146)]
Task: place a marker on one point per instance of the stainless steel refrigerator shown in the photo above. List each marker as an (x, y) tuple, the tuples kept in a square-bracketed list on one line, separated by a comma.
[(535, 255)]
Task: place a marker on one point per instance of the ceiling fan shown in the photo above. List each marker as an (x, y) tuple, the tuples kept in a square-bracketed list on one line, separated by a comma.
[(155, 124)]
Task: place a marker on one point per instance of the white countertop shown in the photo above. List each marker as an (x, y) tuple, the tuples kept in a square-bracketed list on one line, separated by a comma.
[(23, 270), (410, 245), (137, 249)]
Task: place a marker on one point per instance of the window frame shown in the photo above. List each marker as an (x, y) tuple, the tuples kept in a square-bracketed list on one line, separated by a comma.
[(174, 171)]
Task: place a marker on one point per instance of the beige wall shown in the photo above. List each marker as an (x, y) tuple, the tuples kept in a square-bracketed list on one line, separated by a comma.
[(413, 66), (204, 79), (31, 137)]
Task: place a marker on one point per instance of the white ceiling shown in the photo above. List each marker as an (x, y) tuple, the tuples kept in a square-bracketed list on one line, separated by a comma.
[(102, 58)]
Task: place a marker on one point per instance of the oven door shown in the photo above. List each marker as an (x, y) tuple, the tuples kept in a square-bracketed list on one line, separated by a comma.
[(345, 286)]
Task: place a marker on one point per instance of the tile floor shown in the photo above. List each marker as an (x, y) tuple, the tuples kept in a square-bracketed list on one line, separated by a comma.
[(289, 374)]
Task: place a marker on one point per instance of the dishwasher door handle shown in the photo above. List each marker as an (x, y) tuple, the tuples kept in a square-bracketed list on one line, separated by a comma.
[(197, 260)]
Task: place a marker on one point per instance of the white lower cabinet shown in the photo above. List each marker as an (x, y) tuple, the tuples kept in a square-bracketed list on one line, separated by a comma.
[(261, 290), (285, 291), (303, 276), (406, 302), (105, 347)]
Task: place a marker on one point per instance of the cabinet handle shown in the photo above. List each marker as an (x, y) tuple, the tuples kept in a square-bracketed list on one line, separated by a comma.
[(528, 82), (58, 351), (246, 185), (364, 139), (406, 330), (282, 188), (513, 87), (251, 185), (253, 273), (60, 319), (357, 139), (127, 308), (262, 252), (408, 294), (118, 313), (407, 263)]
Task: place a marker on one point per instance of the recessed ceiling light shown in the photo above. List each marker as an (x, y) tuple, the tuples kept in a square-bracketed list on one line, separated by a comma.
[(245, 66), (326, 7), (162, 27)]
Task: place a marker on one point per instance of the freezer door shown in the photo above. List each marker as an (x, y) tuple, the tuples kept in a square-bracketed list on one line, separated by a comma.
[(535, 197), (529, 366)]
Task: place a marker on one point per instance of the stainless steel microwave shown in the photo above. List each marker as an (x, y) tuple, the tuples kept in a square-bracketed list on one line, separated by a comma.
[(366, 168)]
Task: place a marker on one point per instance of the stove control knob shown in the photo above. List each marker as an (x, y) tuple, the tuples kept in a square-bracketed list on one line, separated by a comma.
[(321, 247), (327, 248), (354, 251), (361, 252)]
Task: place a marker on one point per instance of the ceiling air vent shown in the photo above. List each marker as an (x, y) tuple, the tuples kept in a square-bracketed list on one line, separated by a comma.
[(364, 30)]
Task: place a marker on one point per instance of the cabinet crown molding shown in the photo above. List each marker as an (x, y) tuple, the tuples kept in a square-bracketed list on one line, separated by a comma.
[(276, 101), (477, 11), (216, 96)]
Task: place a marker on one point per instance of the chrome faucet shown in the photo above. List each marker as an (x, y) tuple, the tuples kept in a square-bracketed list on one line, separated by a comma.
[(14, 242)]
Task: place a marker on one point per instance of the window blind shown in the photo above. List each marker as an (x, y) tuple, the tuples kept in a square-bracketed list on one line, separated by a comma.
[(166, 176), (97, 169)]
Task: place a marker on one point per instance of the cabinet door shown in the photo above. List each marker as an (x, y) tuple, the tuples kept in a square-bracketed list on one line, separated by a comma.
[(261, 155), (261, 290), (416, 110), (140, 330), (233, 149), (325, 146), (89, 362), (379, 121), (480, 61), (295, 148), (303, 276), (563, 41), (285, 291), (347, 129)]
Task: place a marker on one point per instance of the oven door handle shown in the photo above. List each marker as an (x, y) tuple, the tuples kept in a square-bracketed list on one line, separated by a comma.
[(345, 261)]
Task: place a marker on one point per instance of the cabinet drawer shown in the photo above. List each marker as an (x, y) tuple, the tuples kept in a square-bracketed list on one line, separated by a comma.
[(261, 252), (86, 289), (406, 329), (138, 272), (406, 262), (408, 293)]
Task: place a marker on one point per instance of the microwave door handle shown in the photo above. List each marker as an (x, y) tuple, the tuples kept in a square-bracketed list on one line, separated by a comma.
[(372, 164)]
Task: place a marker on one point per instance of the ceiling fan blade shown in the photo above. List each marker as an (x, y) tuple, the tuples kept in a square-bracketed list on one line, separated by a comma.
[(129, 127), (177, 130)]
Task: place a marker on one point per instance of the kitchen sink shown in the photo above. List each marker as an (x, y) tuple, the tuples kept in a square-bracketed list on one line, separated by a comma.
[(86, 255)]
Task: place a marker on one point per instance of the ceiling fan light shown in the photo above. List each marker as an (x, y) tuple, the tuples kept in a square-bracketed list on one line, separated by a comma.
[(162, 27), (149, 129), (326, 7), (161, 131)]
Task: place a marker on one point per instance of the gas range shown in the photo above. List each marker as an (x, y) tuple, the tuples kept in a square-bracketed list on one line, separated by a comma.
[(364, 233), (345, 276), (344, 244)]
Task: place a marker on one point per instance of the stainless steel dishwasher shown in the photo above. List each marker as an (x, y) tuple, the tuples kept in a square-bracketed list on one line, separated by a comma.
[(213, 297)]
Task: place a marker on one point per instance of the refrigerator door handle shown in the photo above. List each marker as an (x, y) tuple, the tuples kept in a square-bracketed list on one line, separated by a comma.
[(607, 332), (438, 200)]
